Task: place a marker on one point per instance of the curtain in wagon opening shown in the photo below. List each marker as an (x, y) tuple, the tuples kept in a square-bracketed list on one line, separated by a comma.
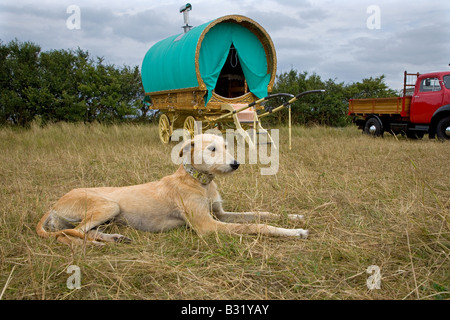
[(214, 52), (253, 61)]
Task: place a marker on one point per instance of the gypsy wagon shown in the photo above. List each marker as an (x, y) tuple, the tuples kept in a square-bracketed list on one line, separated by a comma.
[(214, 75)]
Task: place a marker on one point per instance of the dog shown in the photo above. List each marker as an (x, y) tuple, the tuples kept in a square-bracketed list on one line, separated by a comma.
[(187, 197)]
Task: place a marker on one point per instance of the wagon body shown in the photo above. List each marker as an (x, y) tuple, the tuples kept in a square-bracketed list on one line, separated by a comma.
[(201, 74)]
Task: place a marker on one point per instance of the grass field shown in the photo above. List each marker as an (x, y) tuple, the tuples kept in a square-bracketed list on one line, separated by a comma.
[(367, 202)]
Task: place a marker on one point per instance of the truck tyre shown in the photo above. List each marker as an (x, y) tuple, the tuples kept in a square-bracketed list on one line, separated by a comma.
[(373, 127), (443, 129)]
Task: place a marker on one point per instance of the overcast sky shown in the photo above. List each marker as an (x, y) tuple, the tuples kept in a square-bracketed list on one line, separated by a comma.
[(342, 40)]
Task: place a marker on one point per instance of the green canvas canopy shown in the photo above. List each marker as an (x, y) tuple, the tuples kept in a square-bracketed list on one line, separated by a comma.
[(194, 60)]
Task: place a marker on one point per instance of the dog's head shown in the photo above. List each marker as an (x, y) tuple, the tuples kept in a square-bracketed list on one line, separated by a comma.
[(208, 153)]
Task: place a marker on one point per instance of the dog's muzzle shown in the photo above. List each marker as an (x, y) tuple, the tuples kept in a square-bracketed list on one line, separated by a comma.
[(234, 165)]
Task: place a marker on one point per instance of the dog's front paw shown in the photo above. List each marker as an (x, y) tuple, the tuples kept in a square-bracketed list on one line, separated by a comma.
[(302, 233), (295, 217)]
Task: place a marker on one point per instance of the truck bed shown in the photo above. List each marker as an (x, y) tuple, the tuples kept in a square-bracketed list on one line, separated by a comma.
[(380, 106)]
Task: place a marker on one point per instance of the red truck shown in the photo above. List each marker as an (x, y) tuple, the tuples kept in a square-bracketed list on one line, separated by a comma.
[(423, 109)]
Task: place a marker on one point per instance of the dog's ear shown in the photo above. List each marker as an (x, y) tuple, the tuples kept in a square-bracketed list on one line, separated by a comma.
[(187, 147)]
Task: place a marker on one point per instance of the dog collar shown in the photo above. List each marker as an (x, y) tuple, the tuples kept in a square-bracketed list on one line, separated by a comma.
[(203, 178)]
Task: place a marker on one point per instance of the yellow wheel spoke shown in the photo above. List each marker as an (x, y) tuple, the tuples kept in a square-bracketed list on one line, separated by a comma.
[(189, 128), (164, 129)]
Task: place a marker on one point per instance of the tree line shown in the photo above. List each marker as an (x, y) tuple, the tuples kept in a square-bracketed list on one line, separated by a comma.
[(69, 85), (65, 85), (329, 108)]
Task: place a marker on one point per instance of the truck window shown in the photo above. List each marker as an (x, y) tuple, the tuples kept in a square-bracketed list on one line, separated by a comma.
[(430, 84), (447, 81)]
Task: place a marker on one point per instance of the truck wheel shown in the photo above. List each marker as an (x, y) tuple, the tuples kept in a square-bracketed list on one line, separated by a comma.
[(443, 129), (373, 128)]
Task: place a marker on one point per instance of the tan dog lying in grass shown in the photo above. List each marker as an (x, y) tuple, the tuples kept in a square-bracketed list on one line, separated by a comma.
[(188, 196)]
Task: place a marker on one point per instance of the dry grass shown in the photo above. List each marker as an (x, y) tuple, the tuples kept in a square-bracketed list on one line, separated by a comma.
[(381, 202)]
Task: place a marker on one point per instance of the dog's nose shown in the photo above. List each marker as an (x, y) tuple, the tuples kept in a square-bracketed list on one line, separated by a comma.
[(234, 165)]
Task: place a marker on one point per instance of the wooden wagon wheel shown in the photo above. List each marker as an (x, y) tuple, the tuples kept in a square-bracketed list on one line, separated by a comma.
[(164, 129), (189, 128)]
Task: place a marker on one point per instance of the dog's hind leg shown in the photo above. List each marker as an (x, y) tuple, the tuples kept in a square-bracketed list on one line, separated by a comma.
[(107, 237), (94, 210), (70, 240)]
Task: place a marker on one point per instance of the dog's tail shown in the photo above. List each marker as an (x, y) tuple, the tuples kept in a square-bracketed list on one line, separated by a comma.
[(40, 226)]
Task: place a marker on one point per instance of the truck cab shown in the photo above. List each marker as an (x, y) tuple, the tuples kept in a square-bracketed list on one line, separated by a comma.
[(432, 91)]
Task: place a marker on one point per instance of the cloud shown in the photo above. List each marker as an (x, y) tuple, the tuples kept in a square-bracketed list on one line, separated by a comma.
[(328, 37), (275, 21)]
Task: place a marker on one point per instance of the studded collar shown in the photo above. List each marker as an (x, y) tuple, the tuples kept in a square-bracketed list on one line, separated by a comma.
[(202, 177)]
